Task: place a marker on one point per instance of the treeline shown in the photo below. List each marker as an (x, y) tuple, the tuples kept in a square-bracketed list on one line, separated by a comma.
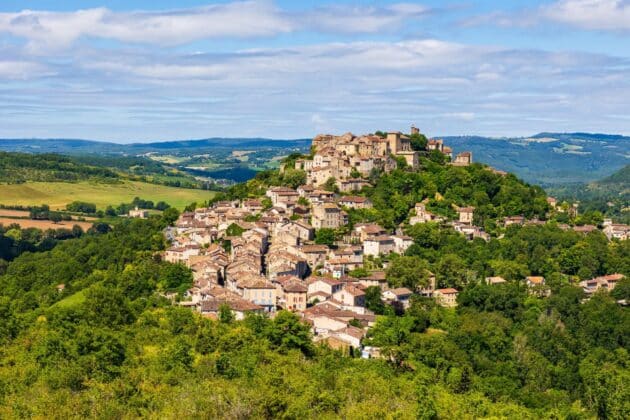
[(16, 168), (124, 208), (139, 168), (15, 240)]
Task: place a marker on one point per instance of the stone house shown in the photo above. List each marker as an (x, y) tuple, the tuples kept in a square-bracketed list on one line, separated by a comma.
[(355, 202), (466, 214), (315, 255), (350, 296), (401, 243), (379, 245), (292, 293), (328, 215), (258, 290), (463, 159), (325, 285), (607, 282), (446, 297)]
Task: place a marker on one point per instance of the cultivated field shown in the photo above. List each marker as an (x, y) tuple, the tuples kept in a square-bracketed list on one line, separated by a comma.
[(14, 213), (43, 224), (58, 194)]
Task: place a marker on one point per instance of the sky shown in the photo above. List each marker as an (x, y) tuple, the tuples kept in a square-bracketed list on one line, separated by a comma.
[(151, 70)]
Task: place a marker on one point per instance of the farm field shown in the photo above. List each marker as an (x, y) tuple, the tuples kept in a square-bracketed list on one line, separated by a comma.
[(23, 214), (58, 194), (43, 224)]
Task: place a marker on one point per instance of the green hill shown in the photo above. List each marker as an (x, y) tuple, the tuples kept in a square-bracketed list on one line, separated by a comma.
[(58, 194)]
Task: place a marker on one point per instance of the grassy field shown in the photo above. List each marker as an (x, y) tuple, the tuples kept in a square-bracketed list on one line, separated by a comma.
[(58, 194), (72, 300)]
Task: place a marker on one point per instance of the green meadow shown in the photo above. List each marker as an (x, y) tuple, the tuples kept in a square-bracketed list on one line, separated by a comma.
[(58, 194)]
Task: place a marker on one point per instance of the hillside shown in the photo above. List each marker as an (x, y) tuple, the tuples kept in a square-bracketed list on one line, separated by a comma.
[(22, 167), (610, 195), (215, 159), (544, 158), (550, 158), (59, 194), (88, 327)]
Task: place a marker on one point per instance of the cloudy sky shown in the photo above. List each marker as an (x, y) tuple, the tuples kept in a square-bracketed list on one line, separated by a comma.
[(139, 70)]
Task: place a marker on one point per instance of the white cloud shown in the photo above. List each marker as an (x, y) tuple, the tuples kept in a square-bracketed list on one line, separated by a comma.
[(360, 19), (22, 70), (611, 15), (60, 29), (243, 19), (134, 90)]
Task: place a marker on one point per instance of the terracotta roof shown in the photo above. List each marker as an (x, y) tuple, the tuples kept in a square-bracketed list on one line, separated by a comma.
[(237, 304), (352, 331), (294, 287), (354, 291), (610, 277), (314, 248), (447, 291)]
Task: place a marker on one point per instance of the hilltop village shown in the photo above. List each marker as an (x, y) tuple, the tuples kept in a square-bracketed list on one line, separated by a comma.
[(260, 254)]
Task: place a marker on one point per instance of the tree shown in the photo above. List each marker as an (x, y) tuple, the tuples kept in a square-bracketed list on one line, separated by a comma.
[(418, 142), (325, 236), (373, 300), (287, 332), (226, 316), (178, 355), (55, 217), (175, 277), (81, 207), (410, 272), (293, 178), (359, 273), (234, 230), (331, 185), (100, 228), (620, 292), (170, 215), (452, 271), (107, 307), (161, 205)]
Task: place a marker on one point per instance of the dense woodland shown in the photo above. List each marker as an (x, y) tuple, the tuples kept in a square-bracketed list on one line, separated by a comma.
[(110, 344), (18, 168)]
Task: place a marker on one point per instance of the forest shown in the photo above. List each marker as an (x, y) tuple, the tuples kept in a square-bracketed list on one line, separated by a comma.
[(18, 168), (89, 329)]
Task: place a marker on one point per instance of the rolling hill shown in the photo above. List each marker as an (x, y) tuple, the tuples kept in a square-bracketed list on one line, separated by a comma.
[(546, 158), (59, 194), (550, 158)]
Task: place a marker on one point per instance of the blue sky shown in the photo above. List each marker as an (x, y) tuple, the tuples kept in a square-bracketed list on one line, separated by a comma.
[(159, 70)]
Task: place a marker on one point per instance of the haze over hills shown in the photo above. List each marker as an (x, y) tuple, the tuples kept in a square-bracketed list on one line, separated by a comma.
[(544, 158)]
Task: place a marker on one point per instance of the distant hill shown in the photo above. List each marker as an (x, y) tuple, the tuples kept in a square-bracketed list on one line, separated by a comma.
[(610, 195), (74, 146), (620, 178), (548, 159)]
